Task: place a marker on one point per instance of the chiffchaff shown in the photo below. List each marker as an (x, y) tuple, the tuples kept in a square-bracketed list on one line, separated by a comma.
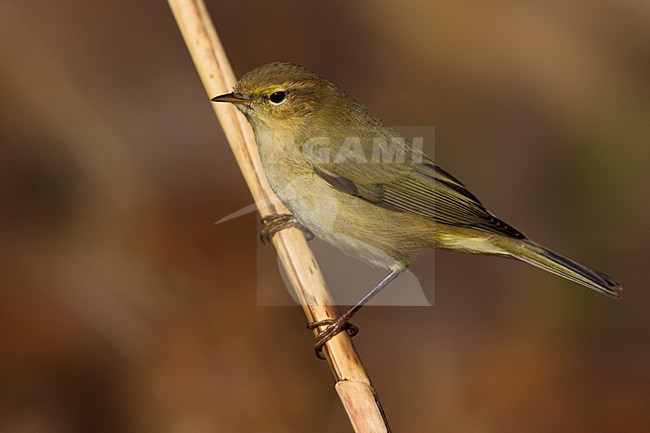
[(357, 184)]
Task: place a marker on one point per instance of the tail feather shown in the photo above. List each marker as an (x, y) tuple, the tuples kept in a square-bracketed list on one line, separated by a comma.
[(553, 262)]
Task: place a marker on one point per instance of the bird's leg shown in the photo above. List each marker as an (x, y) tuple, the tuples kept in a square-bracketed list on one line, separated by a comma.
[(341, 323), (276, 222)]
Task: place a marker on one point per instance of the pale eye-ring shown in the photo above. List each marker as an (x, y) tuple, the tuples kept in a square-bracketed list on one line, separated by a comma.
[(277, 98)]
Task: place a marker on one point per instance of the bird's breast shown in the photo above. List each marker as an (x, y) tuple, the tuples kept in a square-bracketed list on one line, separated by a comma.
[(380, 236)]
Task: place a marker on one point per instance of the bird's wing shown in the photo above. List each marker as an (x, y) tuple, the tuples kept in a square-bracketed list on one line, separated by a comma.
[(420, 188)]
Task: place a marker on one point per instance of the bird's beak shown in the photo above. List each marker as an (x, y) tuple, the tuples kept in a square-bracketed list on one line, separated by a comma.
[(233, 98)]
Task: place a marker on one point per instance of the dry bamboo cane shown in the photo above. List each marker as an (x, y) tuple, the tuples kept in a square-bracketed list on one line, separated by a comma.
[(352, 382)]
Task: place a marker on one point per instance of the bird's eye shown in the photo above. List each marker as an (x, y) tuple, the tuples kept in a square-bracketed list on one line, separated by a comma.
[(277, 98)]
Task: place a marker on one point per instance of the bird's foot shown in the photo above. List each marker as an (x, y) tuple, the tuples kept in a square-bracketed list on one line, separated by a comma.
[(332, 327), (276, 222)]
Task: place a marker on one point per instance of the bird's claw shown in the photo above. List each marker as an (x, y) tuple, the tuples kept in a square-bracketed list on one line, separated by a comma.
[(276, 222), (332, 328)]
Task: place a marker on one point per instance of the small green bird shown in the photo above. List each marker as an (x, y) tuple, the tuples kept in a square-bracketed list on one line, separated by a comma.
[(356, 183)]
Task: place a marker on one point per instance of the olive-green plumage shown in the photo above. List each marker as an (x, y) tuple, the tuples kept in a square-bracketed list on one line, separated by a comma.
[(356, 183)]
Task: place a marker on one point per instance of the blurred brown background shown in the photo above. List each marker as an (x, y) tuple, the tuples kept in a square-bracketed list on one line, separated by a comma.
[(124, 308)]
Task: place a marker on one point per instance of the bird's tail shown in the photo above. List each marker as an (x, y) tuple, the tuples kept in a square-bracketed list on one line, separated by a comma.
[(543, 258)]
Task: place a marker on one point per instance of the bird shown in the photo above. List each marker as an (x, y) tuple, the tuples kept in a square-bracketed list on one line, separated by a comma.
[(350, 179)]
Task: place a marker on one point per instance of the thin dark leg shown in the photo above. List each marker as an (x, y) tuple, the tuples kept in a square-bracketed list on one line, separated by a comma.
[(334, 326)]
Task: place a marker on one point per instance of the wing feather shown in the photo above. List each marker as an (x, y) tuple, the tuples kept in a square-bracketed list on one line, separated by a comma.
[(423, 189)]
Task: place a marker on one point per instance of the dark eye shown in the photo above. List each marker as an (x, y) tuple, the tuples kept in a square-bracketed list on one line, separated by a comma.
[(277, 97)]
